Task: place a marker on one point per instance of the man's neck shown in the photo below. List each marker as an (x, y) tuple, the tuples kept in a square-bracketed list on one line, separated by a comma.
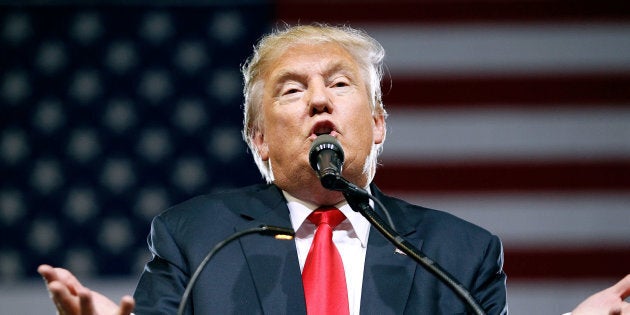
[(319, 196)]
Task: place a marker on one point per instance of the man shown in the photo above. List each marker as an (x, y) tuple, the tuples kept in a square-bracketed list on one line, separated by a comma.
[(300, 83)]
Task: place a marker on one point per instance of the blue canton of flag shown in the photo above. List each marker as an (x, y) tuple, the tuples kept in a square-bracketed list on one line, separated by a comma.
[(109, 115)]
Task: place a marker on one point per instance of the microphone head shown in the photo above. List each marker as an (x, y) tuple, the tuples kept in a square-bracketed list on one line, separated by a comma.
[(324, 142)]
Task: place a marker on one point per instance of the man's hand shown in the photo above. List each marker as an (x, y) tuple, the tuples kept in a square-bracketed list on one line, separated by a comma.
[(72, 298), (607, 302)]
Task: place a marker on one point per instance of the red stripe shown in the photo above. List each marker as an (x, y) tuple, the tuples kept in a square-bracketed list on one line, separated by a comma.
[(401, 11), (562, 263), (501, 176), (539, 90)]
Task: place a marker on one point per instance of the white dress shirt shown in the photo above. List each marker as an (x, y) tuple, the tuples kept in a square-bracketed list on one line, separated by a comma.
[(350, 237)]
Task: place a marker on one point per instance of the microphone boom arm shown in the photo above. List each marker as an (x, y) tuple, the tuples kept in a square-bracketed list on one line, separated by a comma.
[(326, 157), (358, 201)]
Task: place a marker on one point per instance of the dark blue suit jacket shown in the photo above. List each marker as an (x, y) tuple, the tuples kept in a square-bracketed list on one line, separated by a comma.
[(260, 275)]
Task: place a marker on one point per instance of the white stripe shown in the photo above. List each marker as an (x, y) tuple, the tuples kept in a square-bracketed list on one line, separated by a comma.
[(551, 297), (504, 48), (434, 135), (541, 219)]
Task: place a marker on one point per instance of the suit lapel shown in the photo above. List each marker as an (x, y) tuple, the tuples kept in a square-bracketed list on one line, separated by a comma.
[(275, 270), (388, 275), (273, 263)]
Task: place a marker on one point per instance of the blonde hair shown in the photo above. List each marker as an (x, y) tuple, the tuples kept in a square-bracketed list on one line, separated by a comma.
[(367, 52)]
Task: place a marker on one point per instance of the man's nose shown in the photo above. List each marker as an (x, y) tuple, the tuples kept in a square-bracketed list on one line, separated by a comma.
[(319, 99)]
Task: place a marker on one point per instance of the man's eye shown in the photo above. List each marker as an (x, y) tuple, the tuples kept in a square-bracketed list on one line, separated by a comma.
[(290, 91), (340, 84)]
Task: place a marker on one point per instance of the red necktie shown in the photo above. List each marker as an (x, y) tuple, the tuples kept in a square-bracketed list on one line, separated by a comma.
[(323, 275)]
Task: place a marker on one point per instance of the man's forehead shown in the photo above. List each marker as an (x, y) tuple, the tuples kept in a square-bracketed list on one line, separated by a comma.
[(326, 57)]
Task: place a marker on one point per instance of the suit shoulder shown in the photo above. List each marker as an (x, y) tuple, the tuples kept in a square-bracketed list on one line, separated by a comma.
[(218, 201), (437, 220)]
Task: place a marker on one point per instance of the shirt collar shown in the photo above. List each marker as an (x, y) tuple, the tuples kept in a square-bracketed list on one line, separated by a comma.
[(299, 210)]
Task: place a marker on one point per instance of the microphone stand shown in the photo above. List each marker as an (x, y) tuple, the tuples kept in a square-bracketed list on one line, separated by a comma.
[(278, 232), (358, 199)]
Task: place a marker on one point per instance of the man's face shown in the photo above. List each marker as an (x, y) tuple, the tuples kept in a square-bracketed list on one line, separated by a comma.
[(311, 90)]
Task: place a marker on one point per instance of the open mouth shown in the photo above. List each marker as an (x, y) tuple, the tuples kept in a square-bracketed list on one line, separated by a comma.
[(323, 128)]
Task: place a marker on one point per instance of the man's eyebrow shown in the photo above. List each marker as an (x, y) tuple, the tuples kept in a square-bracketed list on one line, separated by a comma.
[(340, 67), (285, 75)]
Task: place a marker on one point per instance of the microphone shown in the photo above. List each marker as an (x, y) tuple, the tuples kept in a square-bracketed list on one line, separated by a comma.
[(326, 158), (279, 233)]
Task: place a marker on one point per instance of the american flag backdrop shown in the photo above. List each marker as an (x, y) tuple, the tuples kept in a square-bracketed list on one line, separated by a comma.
[(512, 114), (109, 115)]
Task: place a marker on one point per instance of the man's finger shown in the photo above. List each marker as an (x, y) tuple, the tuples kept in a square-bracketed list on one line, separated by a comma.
[(85, 300), (69, 280), (47, 272), (127, 304), (622, 288), (64, 276), (65, 302)]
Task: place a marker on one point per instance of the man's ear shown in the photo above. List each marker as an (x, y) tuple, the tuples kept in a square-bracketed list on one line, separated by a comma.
[(261, 145), (380, 128)]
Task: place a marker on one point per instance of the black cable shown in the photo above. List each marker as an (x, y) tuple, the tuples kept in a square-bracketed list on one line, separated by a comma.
[(275, 231)]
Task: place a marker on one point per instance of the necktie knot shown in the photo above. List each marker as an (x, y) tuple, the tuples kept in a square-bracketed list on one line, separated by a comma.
[(330, 216)]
